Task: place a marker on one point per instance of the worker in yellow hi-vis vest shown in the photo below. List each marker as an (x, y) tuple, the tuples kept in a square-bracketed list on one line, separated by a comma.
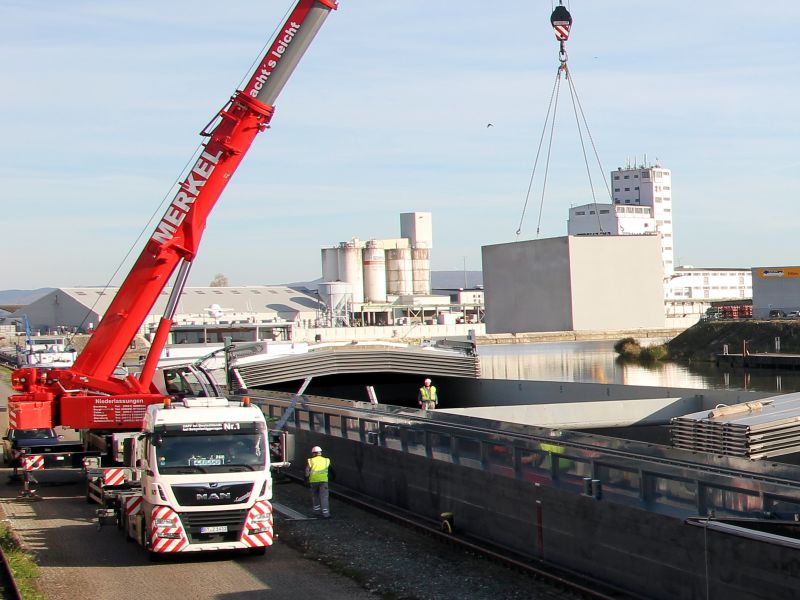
[(428, 398), (318, 471)]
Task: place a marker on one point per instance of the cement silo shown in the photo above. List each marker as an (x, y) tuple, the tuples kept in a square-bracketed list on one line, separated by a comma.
[(421, 271), (374, 272), (399, 272), (337, 296), (351, 268), (330, 264)]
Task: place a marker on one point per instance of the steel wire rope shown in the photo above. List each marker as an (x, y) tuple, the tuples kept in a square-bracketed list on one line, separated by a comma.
[(589, 134), (547, 162), (263, 50), (573, 93), (158, 209), (553, 94)]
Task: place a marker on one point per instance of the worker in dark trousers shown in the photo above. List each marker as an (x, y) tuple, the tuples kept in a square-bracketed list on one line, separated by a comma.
[(428, 398), (318, 471)]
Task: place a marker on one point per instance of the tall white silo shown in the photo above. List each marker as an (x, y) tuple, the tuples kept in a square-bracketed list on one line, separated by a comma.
[(350, 268), (399, 272), (421, 271), (330, 264), (374, 272)]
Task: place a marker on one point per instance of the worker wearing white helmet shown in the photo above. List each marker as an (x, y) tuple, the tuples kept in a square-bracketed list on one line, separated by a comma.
[(318, 471), (427, 397)]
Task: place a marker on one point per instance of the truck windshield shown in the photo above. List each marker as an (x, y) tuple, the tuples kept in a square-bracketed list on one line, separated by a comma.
[(211, 452)]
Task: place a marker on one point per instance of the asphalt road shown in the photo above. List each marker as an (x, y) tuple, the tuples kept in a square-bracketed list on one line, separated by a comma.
[(78, 560)]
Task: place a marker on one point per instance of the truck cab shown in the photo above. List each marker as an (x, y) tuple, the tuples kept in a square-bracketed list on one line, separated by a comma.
[(205, 476)]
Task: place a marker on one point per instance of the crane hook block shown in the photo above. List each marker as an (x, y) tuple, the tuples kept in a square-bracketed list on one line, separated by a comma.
[(561, 21)]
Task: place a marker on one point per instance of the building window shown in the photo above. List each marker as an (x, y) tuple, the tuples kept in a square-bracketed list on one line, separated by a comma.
[(616, 189), (591, 212), (604, 212), (616, 177), (666, 210), (636, 176), (666, 187), (627, 176), (636, 188), (627, 201), (580, 212), (627, 189)]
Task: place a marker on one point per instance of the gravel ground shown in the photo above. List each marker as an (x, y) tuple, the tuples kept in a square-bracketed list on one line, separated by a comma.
[(395, 561)]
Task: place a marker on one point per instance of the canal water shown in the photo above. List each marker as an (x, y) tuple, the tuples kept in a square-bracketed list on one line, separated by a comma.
[(596, 362)]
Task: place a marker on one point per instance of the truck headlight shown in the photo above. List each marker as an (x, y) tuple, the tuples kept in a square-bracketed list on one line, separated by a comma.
[(163, 523), (261, 518)]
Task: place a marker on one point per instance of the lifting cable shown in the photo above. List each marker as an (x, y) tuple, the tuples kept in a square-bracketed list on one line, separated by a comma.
[(561, 21), (159, 209)]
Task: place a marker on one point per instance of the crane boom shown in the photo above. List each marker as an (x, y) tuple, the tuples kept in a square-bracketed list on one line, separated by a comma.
[(87, 395)]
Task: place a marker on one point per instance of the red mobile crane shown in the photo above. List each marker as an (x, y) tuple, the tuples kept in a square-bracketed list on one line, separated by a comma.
[(88, 395)]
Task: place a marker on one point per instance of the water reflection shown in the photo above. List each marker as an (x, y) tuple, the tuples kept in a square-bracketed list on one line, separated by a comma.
[(596, 362)]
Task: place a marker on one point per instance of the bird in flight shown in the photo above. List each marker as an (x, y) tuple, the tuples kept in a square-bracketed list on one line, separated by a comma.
[(489, 125)]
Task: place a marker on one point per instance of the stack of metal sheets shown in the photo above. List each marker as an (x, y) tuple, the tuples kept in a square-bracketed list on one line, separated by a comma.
[(755, 430)]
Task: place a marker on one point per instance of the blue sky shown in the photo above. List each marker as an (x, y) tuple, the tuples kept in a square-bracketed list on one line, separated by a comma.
[(387, 113)]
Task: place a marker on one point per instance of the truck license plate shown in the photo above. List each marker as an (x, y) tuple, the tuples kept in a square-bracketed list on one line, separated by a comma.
[(215, 529)]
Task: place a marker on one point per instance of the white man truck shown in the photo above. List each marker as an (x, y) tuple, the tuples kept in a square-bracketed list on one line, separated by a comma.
[(198, 479)]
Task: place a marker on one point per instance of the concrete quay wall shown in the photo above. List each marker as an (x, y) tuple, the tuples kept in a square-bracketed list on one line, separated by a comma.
[(405, 333)]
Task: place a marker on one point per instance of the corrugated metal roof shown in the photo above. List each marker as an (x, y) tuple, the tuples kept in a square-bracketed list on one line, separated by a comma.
[(282, 301), (344, 360)]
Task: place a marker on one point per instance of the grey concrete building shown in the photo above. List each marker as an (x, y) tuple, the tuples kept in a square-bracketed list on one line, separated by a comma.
[(585, 283)]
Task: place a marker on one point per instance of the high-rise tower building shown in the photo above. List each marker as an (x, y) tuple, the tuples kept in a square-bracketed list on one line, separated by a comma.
[(642, 205), (649, 186)]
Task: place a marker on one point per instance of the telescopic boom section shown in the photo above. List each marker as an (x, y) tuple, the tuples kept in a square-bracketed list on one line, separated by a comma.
[(69, 397)]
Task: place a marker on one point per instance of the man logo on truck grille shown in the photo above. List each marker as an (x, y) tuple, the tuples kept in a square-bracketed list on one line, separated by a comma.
[(214, 497)]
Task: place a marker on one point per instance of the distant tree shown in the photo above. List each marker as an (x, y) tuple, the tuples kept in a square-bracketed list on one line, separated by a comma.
[(220, 280)]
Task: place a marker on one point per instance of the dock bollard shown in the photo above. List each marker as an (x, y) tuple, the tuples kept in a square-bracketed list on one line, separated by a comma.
[(447, 524), (587, 486), (597, 488)]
